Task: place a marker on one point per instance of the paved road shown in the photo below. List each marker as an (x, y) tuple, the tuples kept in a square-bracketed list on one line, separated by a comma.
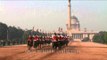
[(75, 51)]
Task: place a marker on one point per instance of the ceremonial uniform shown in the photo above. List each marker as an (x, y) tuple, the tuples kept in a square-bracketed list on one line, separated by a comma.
[(66, 40), (30, 42), (36, 43), (40, 41), (61, 40), (54, 41), (47, 39)]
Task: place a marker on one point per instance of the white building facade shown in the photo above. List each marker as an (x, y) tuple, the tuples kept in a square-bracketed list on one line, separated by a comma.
[(73, 27)]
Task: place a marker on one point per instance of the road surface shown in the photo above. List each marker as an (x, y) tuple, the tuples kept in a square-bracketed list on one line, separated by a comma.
[(75, 51)]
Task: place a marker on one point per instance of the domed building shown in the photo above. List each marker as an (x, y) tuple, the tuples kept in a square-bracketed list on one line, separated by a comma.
[(73, 27), (75, 24), (75, 32)]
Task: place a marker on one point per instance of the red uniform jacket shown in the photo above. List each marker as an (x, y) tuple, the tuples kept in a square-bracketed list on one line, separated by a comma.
[(36, 38), (30, 38), (54, 38)]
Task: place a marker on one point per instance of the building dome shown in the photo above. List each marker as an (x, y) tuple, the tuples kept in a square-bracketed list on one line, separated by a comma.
[(75, 25)]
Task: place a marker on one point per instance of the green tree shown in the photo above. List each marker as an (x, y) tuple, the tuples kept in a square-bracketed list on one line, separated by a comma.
[(3, 31), (15, 34), (101, 37)]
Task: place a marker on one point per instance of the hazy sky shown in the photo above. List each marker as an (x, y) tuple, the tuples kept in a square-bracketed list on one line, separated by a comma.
[(51, 14)]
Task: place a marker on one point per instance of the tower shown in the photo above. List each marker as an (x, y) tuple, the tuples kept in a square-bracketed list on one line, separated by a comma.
[(68, 25)]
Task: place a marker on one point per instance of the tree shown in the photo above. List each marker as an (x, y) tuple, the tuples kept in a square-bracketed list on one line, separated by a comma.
[(15, 34), (101, 37), (3, 31)]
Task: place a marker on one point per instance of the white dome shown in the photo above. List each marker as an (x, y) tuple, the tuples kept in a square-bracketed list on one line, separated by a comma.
[(75, 25), (74, 20)]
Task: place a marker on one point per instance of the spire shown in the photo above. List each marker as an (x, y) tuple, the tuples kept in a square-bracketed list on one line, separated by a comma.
[(69, 0), (69, 15)]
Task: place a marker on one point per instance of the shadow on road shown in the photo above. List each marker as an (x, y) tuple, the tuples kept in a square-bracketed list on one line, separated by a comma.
[(53, 53), (10, 57)]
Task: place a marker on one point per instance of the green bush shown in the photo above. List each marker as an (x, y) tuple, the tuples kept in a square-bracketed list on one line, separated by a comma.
[(101, 37)]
